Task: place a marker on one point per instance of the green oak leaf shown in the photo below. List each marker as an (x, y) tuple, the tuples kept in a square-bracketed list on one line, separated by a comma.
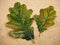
[(45, 19), (20, 22)]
